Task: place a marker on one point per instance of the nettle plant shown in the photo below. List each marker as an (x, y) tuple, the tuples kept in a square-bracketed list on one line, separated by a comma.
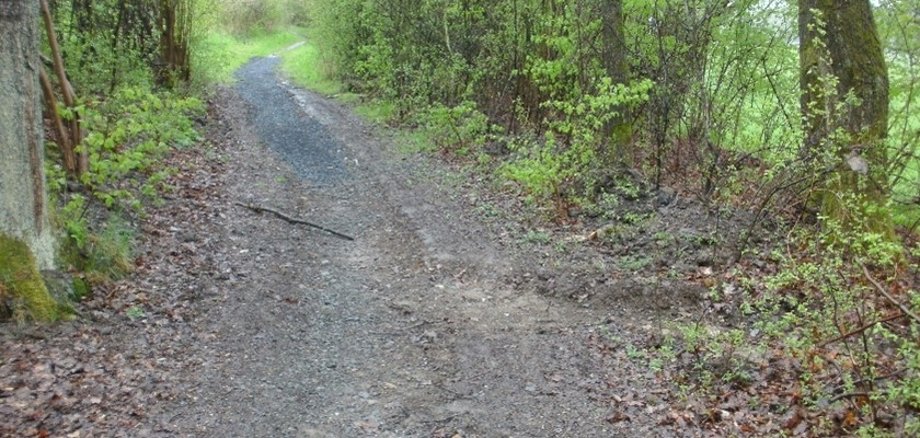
[(128, 135)]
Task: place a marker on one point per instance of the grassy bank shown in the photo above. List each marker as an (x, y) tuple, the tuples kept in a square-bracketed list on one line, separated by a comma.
[(220, 53)]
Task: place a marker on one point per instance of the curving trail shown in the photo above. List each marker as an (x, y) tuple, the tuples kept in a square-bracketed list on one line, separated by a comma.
[(422, 327)]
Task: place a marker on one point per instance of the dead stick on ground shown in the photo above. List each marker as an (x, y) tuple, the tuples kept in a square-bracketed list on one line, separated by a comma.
[(890, 297), (861, 329), (288, 219)]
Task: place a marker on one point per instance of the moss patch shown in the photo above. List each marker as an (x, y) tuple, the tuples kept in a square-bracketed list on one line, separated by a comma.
[(22, 291)]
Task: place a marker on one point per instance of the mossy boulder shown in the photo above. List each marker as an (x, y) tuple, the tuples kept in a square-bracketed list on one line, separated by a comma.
[(23, 294)]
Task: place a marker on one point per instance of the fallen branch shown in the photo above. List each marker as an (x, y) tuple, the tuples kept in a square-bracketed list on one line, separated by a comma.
[(291, 220), (888, 295)]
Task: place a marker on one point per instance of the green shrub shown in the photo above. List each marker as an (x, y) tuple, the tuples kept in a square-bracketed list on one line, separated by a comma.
[(129, 133), (457, 128)]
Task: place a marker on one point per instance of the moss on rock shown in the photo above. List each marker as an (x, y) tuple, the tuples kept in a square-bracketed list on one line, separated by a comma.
[(23, 293)]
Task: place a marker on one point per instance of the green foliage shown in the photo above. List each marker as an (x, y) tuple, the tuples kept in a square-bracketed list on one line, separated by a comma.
[(457, 128), (134, 313), (218, 54), (101, 249), (107, 43), (539, 237), (306, 66), (821, 311), (112, 53), (378, 111), (542, 171), (244, 17), (128, 135)]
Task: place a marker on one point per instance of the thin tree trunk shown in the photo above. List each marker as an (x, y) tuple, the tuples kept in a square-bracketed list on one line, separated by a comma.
[(67, 92), (64, 141), (616, 131)]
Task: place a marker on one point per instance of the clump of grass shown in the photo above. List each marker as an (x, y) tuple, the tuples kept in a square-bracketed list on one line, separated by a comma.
[(306, 67)]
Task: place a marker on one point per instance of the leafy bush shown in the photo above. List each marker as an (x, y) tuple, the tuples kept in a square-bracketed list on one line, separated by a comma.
[(456, 128), (128, 134)]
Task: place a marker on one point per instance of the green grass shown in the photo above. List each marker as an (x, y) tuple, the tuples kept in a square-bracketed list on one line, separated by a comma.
[(220, 54), (411, 141), (305, 66), (377, 111)]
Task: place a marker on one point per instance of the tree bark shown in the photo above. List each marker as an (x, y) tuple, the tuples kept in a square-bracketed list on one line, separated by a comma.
[(847, 48), (23, 212), (614, 56), (616, 131), (67, 93), (175, 30)]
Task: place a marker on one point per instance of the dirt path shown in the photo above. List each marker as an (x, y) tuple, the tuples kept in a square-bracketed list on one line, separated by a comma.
[(420, 327), (435, 322)]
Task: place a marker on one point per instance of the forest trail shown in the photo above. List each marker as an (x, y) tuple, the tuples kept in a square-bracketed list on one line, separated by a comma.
[(416, 328)]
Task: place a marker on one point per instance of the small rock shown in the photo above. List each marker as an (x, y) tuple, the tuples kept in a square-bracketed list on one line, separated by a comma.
[(665, 196)]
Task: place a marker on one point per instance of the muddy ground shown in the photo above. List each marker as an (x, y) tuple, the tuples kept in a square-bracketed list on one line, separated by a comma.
[(437, 320)]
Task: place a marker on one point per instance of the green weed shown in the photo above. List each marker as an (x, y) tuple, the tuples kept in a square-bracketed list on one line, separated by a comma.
[(538, 237), (307, 68)]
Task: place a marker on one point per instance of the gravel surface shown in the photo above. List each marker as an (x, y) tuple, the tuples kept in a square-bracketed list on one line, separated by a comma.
[(302, 142), (434, 322), (414, 329)]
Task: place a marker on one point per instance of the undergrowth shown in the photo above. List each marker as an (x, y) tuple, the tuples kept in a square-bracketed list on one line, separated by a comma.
[(818, 343), (830, 338), (129, 134)]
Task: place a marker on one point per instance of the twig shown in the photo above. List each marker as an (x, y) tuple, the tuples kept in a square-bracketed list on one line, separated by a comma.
[(851, 395), (288, 219), (888, 295), (861, 329)]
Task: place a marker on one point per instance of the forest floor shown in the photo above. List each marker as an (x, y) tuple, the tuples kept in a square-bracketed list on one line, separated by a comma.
[(446, 316)]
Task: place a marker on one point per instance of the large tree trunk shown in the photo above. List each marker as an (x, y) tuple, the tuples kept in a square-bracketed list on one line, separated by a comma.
[(23, 203), (849, 50)]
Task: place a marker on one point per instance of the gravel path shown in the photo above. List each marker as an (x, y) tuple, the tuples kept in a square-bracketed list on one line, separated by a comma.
[(302, 142), (422, 327)]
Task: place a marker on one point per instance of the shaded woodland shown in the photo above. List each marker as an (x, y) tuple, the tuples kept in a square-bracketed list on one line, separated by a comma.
[(799, 117)]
